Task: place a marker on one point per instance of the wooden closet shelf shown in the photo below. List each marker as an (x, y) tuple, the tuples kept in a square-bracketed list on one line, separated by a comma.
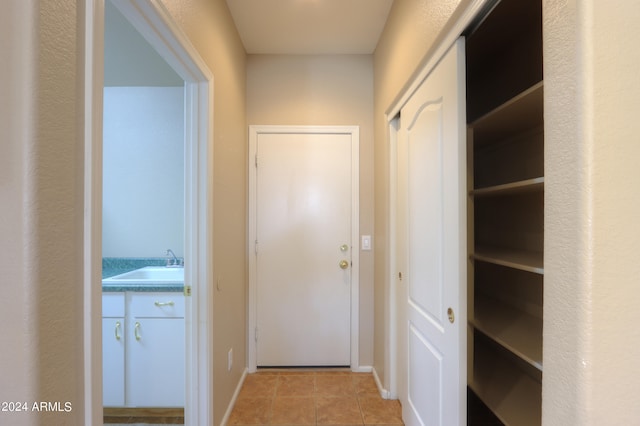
[(524, 111), (517, 331), (513, 396), (520, 187), (524, 260)]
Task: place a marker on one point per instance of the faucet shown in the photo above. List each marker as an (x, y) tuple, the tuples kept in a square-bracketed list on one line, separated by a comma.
[(172, 260)]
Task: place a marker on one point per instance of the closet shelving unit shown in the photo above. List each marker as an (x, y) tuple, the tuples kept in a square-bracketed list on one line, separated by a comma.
[(505, 93)]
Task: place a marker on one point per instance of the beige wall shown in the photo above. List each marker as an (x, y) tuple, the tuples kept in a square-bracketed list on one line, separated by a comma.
[(410, 32), (592, 206), (324, 90), (615, 93), (41, 178), (209, 26)]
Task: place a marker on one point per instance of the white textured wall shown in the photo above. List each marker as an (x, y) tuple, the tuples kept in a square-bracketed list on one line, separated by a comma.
[(18, 355), (143, 171), (41, 177), (615, 91), (592, 203), (567, 219), (324, 90)]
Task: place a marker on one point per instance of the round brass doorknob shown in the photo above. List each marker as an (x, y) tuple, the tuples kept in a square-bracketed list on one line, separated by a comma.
[(344, 264)]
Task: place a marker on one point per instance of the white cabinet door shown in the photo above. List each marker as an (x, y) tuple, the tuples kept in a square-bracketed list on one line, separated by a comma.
[(155, 363), (113, 341)]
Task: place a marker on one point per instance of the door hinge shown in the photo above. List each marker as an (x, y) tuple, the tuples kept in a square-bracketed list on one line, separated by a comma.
[(255, 334), (187, 290), (256, 247), (256, 160)]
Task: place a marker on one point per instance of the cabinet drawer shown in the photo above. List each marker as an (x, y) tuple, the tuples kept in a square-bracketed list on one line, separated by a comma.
[(113, 305), (157, 305)]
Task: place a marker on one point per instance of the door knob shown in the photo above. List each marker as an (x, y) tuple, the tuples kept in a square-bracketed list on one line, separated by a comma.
[(344, 264)]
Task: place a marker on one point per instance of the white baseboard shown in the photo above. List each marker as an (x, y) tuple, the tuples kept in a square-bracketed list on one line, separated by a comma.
[(232, 403), (385, 394), (362, 369)]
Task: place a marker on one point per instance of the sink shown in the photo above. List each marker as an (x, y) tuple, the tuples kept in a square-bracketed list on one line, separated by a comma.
[(149, 275)]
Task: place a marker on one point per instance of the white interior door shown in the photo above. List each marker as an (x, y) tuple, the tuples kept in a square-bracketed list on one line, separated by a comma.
[(431, 248), (303, 254)]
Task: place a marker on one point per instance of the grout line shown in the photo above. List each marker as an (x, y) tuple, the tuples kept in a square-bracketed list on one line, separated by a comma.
[(360, 408), (273, 403)]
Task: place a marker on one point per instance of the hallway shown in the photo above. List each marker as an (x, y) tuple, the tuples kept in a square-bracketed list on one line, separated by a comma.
[(313, 397)]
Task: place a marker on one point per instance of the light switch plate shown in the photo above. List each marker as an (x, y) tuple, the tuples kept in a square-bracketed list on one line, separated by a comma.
[(366, 242)]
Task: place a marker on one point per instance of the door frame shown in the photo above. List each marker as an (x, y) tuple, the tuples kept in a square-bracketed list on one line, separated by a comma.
[(472, 15), (354, 132), (156, 25)]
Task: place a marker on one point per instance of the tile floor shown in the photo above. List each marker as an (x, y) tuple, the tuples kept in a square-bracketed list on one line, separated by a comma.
[(313, 398)]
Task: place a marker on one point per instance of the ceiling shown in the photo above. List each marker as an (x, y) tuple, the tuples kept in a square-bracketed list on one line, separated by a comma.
[(309, 26), (265, 27)]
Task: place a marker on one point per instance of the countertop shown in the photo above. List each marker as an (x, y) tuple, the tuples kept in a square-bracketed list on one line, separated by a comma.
[(112, 266), (146, 288)]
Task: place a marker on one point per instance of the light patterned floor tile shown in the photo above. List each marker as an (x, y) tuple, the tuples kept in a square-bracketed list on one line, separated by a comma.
[(295, 385), (376, 410), (251, 411), (306, 397), (342, 410), (293, 411)]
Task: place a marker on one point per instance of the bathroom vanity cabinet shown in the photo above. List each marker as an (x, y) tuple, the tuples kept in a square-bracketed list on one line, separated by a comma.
[(143, 349), (155, 361)]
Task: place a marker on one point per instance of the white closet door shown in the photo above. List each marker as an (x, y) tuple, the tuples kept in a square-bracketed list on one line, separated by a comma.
[(432, 248)]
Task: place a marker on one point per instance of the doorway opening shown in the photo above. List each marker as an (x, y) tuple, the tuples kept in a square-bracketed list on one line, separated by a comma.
[(155, 25)]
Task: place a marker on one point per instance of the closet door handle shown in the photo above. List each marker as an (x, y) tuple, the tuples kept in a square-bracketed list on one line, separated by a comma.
[(117, 330), (136, 331)]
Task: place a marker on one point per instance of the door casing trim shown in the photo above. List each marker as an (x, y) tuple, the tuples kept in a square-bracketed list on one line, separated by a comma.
[(156, 25), (354, 131)]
